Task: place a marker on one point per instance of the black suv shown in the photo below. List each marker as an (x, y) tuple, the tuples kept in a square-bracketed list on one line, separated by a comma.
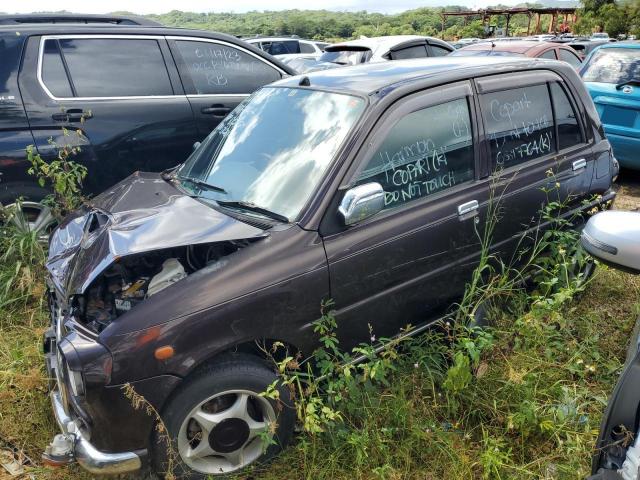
[(142, 95), (168, 281)]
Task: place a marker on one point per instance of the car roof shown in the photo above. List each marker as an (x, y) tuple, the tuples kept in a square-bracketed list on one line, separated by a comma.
[(277, 39), (100, 29), (380, 43), (623, 44), (74, 18), (517, 46), (375, 77)]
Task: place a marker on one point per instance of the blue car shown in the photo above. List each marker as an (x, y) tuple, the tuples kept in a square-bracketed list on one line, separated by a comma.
[(612, 76)]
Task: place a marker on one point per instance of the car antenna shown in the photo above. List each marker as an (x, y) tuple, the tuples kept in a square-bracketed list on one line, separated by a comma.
[(304, 82)]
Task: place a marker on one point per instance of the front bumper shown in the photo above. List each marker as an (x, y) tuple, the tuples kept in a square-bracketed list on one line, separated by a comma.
[(90, 458)]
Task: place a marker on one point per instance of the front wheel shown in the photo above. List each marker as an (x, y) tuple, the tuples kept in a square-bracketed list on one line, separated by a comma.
[(220, 424)]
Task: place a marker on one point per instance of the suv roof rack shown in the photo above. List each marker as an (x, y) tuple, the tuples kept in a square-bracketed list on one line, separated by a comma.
[(31, 18)]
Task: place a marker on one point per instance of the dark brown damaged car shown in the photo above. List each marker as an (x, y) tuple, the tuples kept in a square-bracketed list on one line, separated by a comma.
[(362, 185)]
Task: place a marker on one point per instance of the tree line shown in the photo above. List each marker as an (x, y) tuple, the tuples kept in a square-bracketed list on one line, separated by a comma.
[(621, 17)]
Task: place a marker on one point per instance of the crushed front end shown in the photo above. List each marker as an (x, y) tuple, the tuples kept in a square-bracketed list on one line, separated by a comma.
[(105, 262)]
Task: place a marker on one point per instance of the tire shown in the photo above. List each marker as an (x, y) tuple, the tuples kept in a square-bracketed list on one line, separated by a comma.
[(224, 399), (34, 215)]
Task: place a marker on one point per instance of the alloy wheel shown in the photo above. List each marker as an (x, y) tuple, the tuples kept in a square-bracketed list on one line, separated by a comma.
[(33, 217), (225, 432)]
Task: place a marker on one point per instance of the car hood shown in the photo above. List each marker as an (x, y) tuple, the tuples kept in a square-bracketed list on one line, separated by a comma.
[(140, 214)]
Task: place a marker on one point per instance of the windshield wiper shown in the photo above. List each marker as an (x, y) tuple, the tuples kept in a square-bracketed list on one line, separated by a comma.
[(202, 184), (253, 208), (629, 82)]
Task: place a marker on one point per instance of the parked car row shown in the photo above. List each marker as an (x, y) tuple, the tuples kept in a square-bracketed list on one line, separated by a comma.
[(618, 62), (360, 184), (141, 95), (167, 281)]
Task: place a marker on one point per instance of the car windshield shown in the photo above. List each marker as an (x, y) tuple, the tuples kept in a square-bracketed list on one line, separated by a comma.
[(344, 57), (613, 65), (272, 151)]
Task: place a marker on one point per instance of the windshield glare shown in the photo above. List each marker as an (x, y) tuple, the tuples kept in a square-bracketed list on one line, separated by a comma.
[(273, 150), (344, 57), (613, 65)]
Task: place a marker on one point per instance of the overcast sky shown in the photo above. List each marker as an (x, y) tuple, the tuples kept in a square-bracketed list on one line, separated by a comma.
[(163, 6)]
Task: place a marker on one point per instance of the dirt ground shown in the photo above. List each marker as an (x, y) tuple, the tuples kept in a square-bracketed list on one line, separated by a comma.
[(629, 191)]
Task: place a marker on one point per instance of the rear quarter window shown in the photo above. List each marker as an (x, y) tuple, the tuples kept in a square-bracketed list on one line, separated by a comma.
[(519, 124), (569, 133)]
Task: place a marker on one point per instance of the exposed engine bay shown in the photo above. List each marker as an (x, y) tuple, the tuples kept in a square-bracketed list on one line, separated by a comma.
[(133, 279)]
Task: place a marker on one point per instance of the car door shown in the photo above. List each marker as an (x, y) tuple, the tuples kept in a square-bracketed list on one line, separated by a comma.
[(537, 149), (411, 260), (620, 424), (121, 91), (218, 75)]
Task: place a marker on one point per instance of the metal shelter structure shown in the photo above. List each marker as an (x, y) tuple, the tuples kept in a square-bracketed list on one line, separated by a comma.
[(569, 15)]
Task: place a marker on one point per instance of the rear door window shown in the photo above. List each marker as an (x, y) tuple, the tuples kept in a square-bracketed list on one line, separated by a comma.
[(437, 51), (106, 67), (306, 47), (425, 152), (218, 68), (569, 57), (519, 125), (54, 75), (550, 54), (415, 51)]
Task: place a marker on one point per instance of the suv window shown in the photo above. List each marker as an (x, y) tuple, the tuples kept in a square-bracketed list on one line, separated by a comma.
[(217, 68), (519, 124), (416, 51), (306, 47), (53, 73), (569, 133), (101, 67), (426, 152), (569, 57)]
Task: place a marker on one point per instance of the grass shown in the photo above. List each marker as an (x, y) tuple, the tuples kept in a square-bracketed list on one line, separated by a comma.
[(530, 408)]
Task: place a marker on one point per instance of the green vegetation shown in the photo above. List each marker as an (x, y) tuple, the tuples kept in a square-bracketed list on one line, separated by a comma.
[(615, 18)]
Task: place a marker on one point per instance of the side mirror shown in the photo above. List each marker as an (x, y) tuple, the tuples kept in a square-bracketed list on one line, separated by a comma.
[(196, 145), (614, 238), (361, 202)]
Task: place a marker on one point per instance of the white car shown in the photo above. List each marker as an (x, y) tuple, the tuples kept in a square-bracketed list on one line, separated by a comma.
[(600, 36), (468, 40), (288, 47), (545, 37), (380, 49)]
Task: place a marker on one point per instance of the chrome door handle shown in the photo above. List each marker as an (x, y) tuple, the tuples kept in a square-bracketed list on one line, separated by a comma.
[(578, 164), (468, 207)]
